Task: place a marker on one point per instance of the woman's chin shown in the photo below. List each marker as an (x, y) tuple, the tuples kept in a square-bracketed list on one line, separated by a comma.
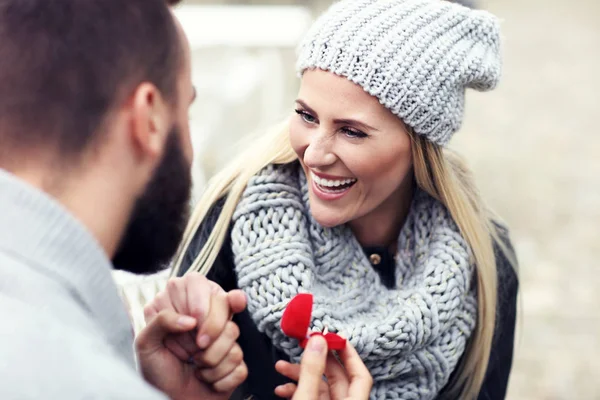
[(327, 219), (327, 214)]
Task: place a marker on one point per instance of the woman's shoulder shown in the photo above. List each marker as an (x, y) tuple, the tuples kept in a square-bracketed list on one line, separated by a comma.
[(504, 248), (506, 263)]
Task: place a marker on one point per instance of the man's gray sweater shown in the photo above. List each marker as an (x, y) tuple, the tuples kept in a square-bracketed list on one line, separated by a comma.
[(64, 331)]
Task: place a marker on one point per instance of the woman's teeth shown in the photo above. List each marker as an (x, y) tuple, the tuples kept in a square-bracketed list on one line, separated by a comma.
[(333, 185)]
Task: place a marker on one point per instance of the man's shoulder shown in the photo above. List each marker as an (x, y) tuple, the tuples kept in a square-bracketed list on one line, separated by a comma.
[(42, 358)]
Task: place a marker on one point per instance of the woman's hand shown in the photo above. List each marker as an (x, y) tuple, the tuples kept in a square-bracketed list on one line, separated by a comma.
[(349, 380)]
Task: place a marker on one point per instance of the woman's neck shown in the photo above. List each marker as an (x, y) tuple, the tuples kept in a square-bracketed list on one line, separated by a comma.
[(381, 227)]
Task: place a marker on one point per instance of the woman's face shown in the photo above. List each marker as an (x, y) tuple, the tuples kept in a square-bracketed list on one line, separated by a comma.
[(356, 154)]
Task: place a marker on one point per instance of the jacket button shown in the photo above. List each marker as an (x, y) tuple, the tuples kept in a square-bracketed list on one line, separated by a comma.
[(375, 259)]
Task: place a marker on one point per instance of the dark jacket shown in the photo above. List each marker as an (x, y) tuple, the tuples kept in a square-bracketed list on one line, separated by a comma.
[(260, 355)]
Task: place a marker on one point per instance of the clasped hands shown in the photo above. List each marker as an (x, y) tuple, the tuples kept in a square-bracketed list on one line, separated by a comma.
[(189, 349)]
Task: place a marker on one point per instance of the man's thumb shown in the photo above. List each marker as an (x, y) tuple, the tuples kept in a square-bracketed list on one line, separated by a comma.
[(312, 367), (165, 323)]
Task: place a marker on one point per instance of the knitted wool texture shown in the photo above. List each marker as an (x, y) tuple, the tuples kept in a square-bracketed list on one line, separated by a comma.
[(411, 337), (416, 56)]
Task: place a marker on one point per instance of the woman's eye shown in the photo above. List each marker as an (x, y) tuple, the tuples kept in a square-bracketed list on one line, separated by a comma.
[(352, 133), (306, 116)]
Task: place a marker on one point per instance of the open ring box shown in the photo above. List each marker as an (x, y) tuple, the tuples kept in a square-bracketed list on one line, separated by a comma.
[(296, 321)]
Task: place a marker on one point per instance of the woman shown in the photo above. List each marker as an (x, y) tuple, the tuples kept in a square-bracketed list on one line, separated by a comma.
[(356, 200)]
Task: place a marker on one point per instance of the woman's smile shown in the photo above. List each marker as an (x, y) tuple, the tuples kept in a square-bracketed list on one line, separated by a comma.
[(329, 187)]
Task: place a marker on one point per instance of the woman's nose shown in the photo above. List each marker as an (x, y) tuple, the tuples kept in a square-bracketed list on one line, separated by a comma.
[(319, 152)]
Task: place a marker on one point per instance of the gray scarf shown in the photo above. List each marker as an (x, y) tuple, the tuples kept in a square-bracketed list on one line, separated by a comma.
[(412, 337)]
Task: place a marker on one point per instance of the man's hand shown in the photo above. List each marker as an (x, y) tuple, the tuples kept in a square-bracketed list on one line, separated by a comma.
[(189, 349), (350, 380)]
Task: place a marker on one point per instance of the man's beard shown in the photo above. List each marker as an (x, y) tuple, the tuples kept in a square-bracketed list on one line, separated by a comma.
[(159, 216)]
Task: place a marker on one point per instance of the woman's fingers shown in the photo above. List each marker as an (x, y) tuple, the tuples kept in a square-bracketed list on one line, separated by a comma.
[(229, 383), (221, 347), (233, 359), (159, 303), (177, 295)]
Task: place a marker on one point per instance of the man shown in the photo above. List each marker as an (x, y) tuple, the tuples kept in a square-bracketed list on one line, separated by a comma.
[(95, 158), (94, 166)]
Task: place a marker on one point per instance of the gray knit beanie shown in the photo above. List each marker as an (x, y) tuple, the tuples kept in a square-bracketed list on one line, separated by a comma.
[(416, 56)]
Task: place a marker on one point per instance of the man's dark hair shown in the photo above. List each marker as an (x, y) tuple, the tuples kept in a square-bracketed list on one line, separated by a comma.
[(66, 64)]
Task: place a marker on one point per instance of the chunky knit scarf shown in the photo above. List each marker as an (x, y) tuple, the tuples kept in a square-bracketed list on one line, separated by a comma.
[(412, 337)]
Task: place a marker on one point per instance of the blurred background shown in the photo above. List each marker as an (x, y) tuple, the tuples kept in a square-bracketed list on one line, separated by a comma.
[(534, 145)]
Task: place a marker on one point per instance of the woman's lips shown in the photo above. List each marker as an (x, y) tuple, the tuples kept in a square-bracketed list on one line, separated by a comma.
[(331, 189)]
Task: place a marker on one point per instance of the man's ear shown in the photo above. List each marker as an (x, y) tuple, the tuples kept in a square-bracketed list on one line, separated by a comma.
[(150, 121)]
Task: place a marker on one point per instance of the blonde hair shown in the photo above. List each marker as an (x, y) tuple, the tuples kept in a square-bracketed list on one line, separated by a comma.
[(439, 172)]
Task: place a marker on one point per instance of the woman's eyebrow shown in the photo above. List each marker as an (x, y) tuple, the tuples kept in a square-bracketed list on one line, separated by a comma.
[(340, 121)]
